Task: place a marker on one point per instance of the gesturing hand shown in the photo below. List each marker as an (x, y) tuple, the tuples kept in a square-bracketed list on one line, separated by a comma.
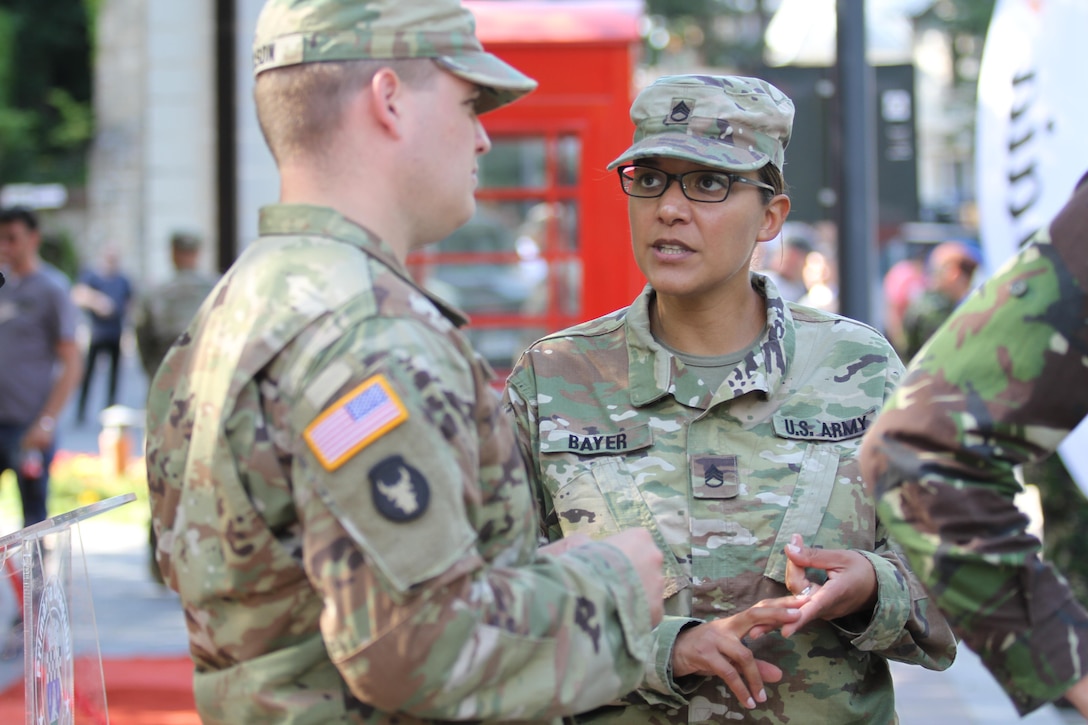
[(850, 585), (715, 648)]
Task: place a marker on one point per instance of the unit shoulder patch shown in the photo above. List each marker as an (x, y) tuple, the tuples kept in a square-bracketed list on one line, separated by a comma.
[(401, 492)]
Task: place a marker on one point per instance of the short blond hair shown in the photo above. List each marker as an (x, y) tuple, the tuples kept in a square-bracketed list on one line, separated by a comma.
[(299, 107)]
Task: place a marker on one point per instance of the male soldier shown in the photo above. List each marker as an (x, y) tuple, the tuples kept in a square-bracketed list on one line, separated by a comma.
[(949, 271), (1000, 384), (338, 496), (164, 312)]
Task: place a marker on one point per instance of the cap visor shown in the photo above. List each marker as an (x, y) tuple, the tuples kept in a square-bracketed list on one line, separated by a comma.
[(502, 82), (709, 152)]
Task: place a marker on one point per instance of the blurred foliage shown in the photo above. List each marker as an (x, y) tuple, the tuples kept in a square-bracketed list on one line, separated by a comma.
[(80, 479), (46, 116), (730, 33), (719, 33), (966, 23), (60, 251)]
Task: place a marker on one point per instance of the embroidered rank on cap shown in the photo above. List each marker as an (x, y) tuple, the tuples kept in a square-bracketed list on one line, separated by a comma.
[(681, 110), (354, 421)]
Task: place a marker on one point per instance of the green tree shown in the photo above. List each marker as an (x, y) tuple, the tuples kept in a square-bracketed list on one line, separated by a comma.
[(730, 33), (46, 118), (723, 33)]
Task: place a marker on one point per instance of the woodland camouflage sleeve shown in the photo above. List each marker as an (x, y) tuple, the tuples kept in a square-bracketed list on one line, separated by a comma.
[(1001, 383)]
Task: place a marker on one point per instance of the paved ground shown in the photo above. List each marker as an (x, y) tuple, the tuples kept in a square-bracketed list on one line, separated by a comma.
[(136, 617)]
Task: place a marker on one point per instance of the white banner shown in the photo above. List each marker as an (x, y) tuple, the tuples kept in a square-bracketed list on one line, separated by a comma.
[(1032, 146)]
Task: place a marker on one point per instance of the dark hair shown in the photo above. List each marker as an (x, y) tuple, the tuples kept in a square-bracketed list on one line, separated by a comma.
[(967, 265), (19, 214), (770, 174)]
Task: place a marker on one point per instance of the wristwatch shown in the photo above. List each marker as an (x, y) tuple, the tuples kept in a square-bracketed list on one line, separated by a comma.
[(47, 423)]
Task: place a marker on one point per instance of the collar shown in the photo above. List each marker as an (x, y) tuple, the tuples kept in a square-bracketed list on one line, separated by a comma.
[(655, 372), (297, 219)]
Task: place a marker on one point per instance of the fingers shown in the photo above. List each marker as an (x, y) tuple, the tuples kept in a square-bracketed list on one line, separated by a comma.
[(771, 614), (795, 581), (812, 609), (745, 675), (801, 556), (716, 648), (742, 676)]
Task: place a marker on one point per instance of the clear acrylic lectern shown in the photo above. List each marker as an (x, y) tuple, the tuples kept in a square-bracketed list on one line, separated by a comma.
[(43, 568)]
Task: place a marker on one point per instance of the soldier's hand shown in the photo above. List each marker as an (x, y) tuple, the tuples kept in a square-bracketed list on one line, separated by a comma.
[(717, 649), (640, 548), (850, 587), (1078, 696)]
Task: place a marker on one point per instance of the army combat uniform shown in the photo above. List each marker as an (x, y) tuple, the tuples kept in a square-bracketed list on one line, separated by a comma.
[(341, 504), (624, 433), (1002, 383), (164, 313)]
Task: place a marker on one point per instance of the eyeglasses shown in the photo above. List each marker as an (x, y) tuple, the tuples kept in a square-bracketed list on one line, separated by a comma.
[(646, 182)]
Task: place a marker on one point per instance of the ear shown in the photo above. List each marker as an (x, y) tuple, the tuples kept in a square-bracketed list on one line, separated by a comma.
[(387, 100), (774, 216)]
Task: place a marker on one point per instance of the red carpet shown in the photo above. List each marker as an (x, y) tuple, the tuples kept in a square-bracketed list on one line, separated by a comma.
[(139, 692)]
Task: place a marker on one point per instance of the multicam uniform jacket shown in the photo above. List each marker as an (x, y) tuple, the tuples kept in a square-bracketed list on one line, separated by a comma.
[(341, 505), (622, 434), (1001, 383)]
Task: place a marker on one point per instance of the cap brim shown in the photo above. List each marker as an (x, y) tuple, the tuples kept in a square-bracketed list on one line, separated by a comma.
[(699, 150), (501, 82)]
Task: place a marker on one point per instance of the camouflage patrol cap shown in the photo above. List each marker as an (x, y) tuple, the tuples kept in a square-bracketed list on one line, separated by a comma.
[(729, 122), (290, 32)]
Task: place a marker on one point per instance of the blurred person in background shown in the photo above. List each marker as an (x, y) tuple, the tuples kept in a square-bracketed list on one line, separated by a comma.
[(38, 356), (162, 313), (950, 269), (105, 293), (160, 316), (783, 260), (904, 282), (821, 278)]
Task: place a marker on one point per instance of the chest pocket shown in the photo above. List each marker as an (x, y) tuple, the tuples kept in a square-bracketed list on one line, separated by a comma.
[(816, 479), (596, 489)]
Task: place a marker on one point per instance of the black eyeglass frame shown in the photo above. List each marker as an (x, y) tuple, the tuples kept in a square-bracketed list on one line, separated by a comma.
[(669, 178)]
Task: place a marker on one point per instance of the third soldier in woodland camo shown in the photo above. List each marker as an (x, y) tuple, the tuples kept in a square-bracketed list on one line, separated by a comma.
[(1000, 384)]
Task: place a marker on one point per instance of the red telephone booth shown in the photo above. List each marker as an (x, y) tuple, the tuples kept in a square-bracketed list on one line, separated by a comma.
[(548, 246)]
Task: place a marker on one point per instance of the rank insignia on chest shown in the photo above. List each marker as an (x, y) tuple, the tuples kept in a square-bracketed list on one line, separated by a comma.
[(714, 477), (401, 493), (354, 421)]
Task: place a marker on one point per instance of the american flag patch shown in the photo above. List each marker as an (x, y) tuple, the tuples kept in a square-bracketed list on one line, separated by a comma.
[(354, 421)]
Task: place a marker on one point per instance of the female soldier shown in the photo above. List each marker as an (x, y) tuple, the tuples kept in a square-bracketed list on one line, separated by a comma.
[(727, 422)]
